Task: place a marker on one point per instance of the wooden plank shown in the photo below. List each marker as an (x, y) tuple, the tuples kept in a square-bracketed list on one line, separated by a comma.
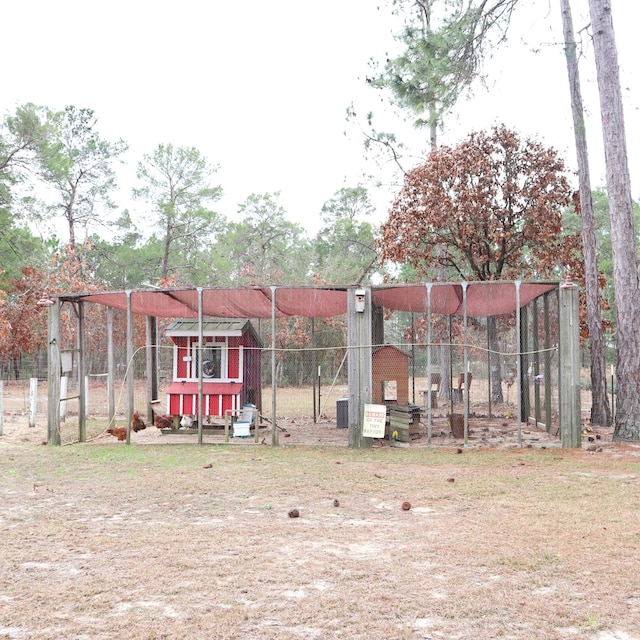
[(157, 408)]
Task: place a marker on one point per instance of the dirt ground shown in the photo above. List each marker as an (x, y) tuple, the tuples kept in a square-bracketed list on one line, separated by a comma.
[(102, 541), (500, 431), (111, 542), (483, 433)]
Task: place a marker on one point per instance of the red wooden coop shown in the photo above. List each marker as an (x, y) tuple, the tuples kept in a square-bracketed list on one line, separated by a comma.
[(229, 360)]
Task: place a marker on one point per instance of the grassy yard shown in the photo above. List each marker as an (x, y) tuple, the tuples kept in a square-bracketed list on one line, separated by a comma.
[(181, 541)]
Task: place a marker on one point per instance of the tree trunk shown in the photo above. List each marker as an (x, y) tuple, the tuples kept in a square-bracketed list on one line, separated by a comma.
[(494, 360), (167, 251), (600, 409), (445, 348), (625, 265)]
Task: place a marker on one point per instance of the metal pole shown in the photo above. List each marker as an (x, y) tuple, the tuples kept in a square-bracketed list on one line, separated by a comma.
[(536, 362), (465, 363), (547, 364), (489, 358), (519, 362), (413, 358), (313, 369), (151, 364), (429, 385)]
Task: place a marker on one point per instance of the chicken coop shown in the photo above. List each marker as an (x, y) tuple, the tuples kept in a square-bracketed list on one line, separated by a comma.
[(504, 348), (227, 359)]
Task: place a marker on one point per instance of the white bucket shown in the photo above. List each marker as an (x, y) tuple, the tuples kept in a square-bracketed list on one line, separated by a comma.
[(248, 413), (241, 429)]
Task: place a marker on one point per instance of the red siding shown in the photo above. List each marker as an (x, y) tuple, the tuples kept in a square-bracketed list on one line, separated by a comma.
[(182, 399), (234, 357)]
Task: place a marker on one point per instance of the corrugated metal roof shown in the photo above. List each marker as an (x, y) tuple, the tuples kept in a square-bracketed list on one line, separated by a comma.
[(210, 325)]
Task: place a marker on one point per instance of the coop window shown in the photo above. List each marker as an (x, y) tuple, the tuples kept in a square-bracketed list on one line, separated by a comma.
[(213, 362)]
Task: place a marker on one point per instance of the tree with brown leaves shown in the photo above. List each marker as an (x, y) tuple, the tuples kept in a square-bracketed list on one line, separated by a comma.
[(494, 204)]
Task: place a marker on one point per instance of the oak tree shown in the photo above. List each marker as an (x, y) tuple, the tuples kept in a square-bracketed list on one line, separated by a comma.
[(489, 208)]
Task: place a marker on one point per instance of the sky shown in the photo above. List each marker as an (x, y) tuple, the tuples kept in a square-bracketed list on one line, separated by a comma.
[(261, 88)]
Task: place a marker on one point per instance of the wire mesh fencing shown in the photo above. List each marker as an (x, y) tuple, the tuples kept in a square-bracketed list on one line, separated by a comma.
[(488, 367)]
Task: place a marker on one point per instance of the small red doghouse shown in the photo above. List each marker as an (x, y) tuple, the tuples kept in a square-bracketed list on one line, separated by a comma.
[(229, 360), (390, 369)]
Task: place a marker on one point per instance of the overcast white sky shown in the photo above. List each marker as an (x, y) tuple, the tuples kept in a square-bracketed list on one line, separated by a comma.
[(261, 87)]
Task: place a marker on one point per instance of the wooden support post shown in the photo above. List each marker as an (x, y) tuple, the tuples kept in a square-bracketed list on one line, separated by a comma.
[(274, 425), (54, 369), (536, 362), (569, 383), (314, 369), (82, 390), (111, 368), (359, 362), (130, 367), (152, 364)]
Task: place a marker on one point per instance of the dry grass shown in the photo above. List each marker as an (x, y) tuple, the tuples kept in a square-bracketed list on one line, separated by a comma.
[(182, 541)]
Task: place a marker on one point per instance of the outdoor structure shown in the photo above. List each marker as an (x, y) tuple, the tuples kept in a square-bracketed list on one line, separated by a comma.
[(480, 301), (390, 370), (228, 358)]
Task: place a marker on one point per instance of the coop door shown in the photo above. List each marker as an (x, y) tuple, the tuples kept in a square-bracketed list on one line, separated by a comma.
[(389, 390)]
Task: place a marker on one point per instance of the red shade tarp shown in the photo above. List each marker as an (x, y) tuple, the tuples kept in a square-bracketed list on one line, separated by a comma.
[(482, 299)]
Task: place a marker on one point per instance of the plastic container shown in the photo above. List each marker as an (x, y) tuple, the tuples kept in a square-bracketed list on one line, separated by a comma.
[(241, 429), (248, 413)]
